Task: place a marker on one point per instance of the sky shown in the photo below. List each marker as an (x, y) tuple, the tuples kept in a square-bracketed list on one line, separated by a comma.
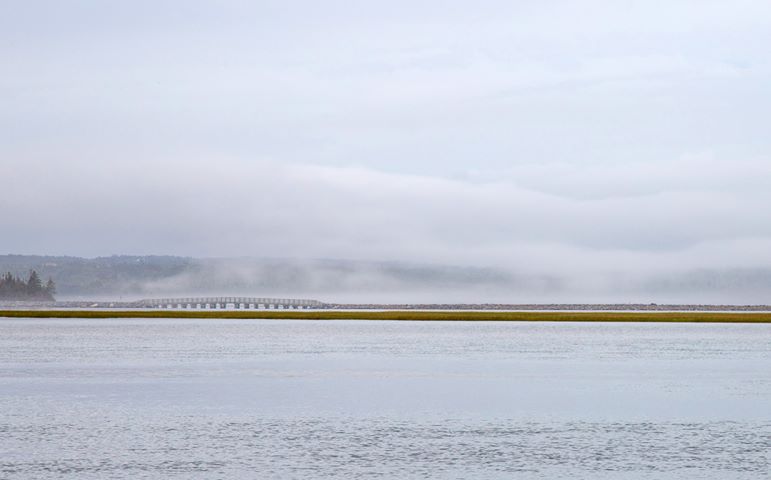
[(585, 138)]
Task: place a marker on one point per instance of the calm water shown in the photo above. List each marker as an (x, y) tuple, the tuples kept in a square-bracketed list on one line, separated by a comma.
[(348, 399)]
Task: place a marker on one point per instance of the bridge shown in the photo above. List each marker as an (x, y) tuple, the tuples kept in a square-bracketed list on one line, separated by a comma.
[(255, 303)]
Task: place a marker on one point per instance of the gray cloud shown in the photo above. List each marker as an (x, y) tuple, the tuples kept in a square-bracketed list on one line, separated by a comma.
[(215, 205), (582, 140)]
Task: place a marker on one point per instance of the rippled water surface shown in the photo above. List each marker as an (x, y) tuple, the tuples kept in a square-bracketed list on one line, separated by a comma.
[(350, 399)]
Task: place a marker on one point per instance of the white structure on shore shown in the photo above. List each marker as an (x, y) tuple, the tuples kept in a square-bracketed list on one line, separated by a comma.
[(228, 302)]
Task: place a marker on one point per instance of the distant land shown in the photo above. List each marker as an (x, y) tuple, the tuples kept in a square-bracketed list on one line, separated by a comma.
[(139, 276), (127, 277), (486, 316)]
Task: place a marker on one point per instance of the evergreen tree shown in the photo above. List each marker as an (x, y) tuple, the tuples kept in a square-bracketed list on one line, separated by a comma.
[(34, 284), (14, 288), (50, 287)]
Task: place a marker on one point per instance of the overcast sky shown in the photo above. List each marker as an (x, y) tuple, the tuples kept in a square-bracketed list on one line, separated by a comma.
[(543, 136)]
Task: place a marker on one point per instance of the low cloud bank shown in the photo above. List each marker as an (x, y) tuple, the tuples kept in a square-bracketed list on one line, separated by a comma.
[(652, 244), (134, 277)]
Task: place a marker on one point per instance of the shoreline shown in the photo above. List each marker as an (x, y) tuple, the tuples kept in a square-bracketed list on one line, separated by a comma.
[(413, 315)]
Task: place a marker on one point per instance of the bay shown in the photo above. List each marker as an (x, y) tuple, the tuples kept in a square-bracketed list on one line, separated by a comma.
[(178, 398)]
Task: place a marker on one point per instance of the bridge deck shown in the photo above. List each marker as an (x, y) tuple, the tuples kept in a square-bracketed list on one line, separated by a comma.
[(223, 302)]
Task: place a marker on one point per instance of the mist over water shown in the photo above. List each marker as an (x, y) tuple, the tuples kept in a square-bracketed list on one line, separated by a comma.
[(346, 281)]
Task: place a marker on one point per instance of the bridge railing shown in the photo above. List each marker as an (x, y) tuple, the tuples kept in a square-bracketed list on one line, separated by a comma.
[(222, 302)]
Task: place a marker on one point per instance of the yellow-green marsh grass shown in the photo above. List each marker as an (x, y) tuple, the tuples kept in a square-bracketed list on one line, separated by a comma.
[(488, 316)]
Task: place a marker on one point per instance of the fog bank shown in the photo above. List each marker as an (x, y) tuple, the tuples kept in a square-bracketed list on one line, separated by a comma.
[(579, 150), (346, 281)]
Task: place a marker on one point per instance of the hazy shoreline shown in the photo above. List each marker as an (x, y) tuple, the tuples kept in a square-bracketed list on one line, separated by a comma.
[(500, 307), (647, 317)]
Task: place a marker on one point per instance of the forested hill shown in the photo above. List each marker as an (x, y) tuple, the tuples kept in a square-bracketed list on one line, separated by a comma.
[(137, 276), (97, 276)]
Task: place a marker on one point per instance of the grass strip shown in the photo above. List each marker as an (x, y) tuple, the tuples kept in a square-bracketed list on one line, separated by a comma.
[(487, 316)]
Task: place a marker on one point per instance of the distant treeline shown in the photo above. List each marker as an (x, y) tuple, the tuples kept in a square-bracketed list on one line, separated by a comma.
[(147, 276), (14, 288)]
